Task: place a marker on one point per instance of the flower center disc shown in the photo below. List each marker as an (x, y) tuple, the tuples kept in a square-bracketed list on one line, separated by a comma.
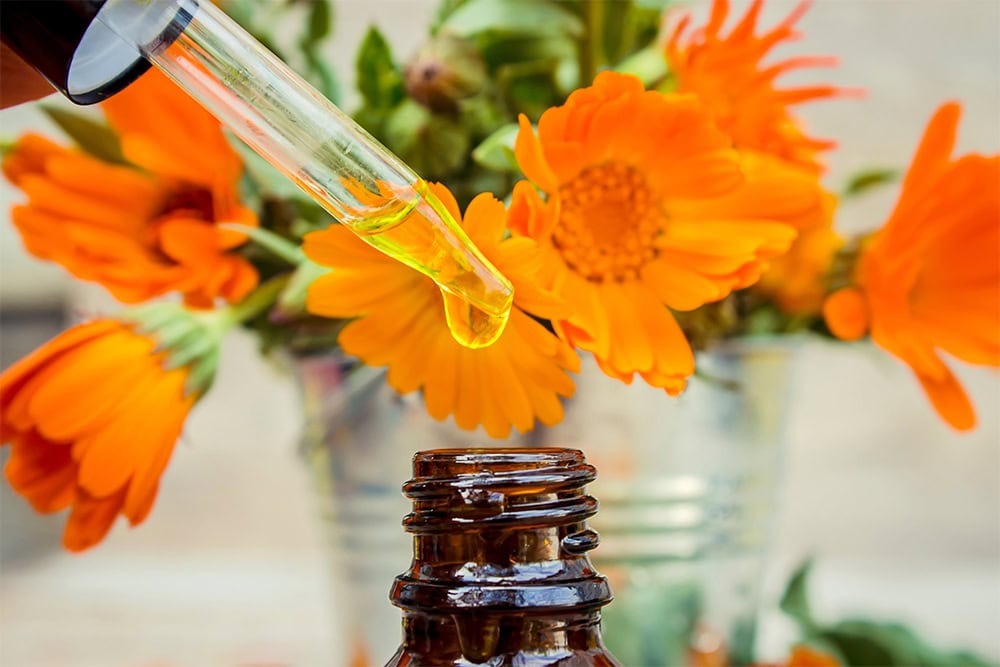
[(609, 221), (189, 201)]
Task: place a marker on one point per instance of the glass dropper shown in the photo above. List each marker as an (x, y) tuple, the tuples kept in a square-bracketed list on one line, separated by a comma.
[(312, 142)]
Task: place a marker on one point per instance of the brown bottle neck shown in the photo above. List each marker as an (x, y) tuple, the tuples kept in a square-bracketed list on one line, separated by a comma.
[(481, 637), (500, 561)]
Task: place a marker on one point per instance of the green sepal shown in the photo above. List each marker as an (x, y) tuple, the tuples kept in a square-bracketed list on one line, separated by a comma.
[(175, 333), (186, 338), (202, 372), (190, 352)]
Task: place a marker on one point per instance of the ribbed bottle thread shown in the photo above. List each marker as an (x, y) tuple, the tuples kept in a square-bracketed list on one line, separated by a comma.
[(500, 529)]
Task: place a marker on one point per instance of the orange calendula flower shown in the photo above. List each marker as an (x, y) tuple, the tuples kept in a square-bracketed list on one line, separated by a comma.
[(145, 233), (929, 279), (92, 418), (647, 208), (400, 323), (728, 74)]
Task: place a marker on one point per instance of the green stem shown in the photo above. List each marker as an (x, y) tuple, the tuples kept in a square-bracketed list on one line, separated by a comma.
[(256, 302), (590, 50), (275, 244), (629, 29)]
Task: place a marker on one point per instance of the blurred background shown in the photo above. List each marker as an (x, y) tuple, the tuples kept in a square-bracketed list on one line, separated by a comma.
[(901, 514)]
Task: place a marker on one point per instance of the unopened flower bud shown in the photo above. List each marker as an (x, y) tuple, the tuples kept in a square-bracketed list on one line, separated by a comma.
[(446, 70)]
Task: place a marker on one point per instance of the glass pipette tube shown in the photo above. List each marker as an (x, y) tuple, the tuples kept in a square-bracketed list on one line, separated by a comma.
[(312, 142)]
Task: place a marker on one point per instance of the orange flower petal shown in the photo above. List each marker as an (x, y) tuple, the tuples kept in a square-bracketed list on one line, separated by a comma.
[(950, 401), (101, 221), (678, 287), (846, 314), (728, 74), (90, 520), (92, 417), (531, 159), (41, 472)]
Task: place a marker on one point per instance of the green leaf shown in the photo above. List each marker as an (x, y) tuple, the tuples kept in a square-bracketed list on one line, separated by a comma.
[(320, 21), (869, 179), (530, 87), (514, 16), (379, 80), (795, 600), (865, 643), (93, 137), (433, 145), (496, 151), (500, 49)]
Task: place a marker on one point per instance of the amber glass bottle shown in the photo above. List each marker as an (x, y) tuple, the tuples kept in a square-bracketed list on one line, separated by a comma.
[(500, 574)]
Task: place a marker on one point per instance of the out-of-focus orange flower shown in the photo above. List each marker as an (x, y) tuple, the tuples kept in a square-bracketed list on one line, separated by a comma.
[(647, 209), (92, 418), (929, 279), (401, 324), (728, 74), (806, 656), (797, 280), (140, 234)]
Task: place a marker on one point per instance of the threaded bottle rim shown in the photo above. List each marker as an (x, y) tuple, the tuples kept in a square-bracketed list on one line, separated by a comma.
[(501, 529)]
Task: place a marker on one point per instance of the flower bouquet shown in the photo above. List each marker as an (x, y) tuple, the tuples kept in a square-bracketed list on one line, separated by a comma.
[(640, 178)]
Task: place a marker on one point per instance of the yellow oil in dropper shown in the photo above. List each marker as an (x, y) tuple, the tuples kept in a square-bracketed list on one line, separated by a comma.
[(412, 226), (307, 138)]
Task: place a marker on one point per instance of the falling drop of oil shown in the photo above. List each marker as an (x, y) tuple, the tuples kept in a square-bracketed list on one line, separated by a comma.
[(471, 326), (414, 227)]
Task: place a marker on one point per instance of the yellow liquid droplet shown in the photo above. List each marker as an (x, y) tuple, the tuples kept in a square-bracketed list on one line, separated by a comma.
[(472, 326), (413, 227)]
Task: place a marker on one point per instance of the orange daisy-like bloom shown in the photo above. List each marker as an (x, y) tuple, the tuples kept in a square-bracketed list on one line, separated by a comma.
[(140, 234), (92, 418), (727, 73), (400, 323), (647, 207), (929, 279)]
